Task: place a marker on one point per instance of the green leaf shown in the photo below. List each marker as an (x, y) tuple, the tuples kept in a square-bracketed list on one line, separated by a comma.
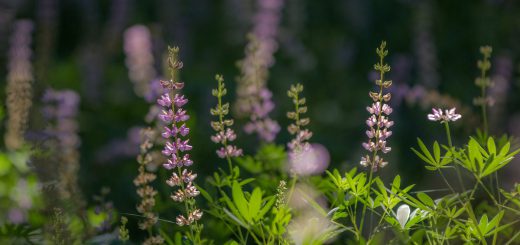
[(436, 152), (240, 201), (494, 223), (235, 218), (483, 223), (396, 183), (205, 194), (491, 146), (269, 203), (505, 149), (255, 203), (246, 181), (427, 200), (425, 150)]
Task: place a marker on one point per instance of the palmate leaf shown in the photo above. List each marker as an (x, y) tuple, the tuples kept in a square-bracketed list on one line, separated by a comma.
[(483, 162), (436, 160), (424, 198), (240, 201), (20, 234), (425, 155), (255, 202)]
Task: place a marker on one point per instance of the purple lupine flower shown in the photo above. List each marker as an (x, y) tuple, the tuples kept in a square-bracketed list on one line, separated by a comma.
[(378, 122), (254, 100), (139, 58), (177, 146), (425, 48), (230, 150)]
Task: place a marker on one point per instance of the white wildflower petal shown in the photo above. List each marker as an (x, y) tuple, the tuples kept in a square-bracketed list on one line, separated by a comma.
[(403, 213)]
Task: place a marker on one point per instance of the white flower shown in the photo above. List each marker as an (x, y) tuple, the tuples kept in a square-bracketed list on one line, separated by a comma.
[(446, 116), (403, 213)]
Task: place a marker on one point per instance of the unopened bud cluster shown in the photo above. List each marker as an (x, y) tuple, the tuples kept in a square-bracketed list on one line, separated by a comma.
[(224, 134), (144, 179), (299, 143), (484, 82)]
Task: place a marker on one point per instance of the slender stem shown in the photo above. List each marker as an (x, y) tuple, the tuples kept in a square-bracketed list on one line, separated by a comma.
[(380, 114), (484, 106), (450, 144), (293, 184), (365, 206), (488, 192), (497, 187), (445, 230), (221, 121), (446, 181), (448, 134)]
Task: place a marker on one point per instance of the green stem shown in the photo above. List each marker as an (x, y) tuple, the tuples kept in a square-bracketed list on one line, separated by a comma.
[(450, 144), (365, 206), (293, 184), (448, 134), (484, 110), (445, 230)]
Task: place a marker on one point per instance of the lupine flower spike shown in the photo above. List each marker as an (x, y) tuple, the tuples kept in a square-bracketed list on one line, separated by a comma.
[(299, 147), (19, 85), (484, 82), (61, 109), (177, 145), (378, 123), (254, 100), (224, 134), (143, 183)]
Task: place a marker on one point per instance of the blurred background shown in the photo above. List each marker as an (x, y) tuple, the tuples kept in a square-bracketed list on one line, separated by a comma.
[(106, 50)]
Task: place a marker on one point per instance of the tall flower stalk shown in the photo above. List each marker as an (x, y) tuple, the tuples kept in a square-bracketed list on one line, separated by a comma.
[(177, 145), (144, 189), (445, 117), (61, 109), (299, 147), (224, 134), (19, 84), (139, 58), (378, 124), (254, 99), (484, 82)]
